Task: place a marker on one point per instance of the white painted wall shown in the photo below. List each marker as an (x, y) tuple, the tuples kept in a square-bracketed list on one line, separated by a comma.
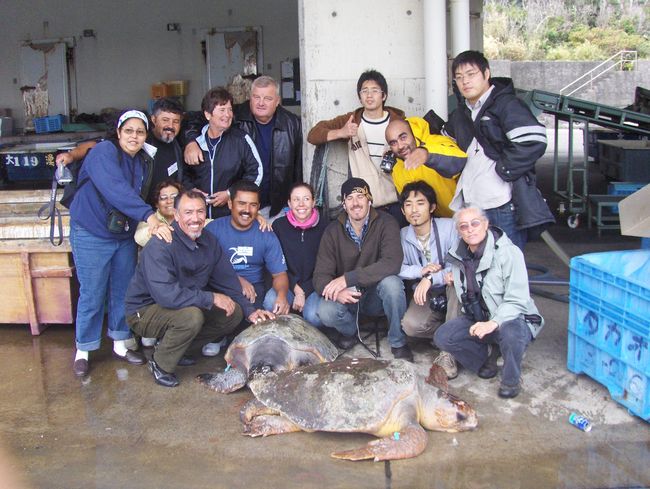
[(133, 49), (342, 38)]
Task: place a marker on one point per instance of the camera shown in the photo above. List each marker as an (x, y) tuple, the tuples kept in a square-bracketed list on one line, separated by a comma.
[(472, 308), (388, 162), (438, 303), (63, 175)]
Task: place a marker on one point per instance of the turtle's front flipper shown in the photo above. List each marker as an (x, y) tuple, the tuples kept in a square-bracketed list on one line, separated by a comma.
[(268, 424), (224, 382), (410, 442)]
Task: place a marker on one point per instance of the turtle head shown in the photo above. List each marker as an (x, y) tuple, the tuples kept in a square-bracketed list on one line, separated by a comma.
[(441, 411)]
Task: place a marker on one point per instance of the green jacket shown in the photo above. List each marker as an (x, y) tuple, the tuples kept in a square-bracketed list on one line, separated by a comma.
[(502, 270), (380, 254)]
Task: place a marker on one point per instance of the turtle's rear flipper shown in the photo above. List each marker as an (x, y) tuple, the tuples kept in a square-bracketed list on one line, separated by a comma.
[(410, 442), (269, 424), (224, 382)]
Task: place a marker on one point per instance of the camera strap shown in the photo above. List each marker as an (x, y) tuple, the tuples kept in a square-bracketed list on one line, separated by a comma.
[(50, 211), (438, 249)]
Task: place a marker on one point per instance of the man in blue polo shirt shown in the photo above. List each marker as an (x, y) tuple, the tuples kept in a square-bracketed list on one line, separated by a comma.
[(251, 250)]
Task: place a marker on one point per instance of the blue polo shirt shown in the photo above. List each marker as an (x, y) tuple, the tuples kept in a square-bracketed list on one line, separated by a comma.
[(249, 251)]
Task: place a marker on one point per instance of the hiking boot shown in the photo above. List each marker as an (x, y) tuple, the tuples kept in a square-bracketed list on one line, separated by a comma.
[(489, 369), (447, 362)]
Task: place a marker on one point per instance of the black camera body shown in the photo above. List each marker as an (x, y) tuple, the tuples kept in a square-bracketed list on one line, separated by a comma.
[(438, 301), (472, 308), (388, 162)]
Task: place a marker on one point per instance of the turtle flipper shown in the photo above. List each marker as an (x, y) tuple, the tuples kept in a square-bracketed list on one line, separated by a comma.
[(252, 409), (269, 424), (224, 382), (410, 442)]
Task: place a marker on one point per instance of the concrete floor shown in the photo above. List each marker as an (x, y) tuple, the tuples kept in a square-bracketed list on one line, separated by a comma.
[(117, 429)]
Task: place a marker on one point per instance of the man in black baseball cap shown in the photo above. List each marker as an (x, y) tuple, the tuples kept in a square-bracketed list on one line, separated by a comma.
[(358, 261)]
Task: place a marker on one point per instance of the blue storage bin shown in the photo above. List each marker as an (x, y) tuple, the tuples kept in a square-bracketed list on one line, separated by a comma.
[(52, 123), (609, 324), (623, 188)]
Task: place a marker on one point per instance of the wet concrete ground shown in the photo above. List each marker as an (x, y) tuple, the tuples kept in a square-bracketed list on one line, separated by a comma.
[(117, 429)]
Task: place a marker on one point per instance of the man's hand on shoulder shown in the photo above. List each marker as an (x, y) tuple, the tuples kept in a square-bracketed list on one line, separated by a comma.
[(193, 154), (223, 302), (260, 315), (417, 158)]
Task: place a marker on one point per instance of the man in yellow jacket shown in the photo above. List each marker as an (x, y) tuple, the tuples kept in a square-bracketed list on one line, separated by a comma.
[(433, 158)]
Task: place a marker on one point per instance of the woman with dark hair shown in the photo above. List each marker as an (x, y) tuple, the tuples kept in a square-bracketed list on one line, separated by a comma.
[(163, 201), (104, 214), (300, 232), (229, 154)]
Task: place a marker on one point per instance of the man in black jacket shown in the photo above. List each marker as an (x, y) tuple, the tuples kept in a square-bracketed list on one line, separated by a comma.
[(503, 140), (185, 293), (277, 134)]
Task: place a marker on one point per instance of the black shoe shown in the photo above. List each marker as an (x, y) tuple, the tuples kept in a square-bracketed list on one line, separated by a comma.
[(346, 342), (186, 361), (80, 367), (509, 391), (403, 352), (489, 369), (132, 357), (161, 377)]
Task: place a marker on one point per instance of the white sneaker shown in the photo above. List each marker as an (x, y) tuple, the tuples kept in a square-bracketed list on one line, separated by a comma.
[(447, 362), (212, 349), (149, 342)]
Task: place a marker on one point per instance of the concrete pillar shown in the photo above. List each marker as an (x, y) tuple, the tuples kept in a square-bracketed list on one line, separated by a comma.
[(459, 16), (435, 56)]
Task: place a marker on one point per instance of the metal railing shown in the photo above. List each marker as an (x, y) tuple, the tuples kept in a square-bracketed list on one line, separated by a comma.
[(623, 60)]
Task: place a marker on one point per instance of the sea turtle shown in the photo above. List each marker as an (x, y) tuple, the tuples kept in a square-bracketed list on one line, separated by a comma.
[(388, 399), (283, 343)]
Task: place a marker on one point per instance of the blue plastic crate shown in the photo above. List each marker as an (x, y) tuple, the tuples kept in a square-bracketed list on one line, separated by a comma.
[(52, 123), (609, 329), (623, 188)]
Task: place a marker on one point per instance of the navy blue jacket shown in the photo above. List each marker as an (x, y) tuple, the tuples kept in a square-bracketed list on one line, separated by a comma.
[(183, 273), (110, 178)]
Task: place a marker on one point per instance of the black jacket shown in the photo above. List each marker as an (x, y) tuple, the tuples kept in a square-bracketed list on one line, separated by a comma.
[(235, 158), (300, 249), (286, 155), (510, 135)]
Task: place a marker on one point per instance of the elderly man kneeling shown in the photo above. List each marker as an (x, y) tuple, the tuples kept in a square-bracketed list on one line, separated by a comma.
[(491, 281)]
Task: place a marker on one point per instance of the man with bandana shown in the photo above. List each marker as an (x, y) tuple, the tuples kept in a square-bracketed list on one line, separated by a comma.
[(357, 269)]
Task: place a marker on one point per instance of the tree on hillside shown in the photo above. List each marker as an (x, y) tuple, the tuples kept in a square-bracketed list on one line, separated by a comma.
[(569, 30)]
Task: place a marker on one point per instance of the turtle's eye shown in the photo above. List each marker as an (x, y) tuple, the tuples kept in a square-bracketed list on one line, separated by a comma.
[(460, 416)]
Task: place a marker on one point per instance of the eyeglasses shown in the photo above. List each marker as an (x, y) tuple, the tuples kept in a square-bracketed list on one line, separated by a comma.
[(165, 198), (460, 77), (138, 132), (463, 227), (372, 91)]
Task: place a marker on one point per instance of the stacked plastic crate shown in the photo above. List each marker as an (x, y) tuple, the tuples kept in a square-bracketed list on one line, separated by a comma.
[(609, 324)]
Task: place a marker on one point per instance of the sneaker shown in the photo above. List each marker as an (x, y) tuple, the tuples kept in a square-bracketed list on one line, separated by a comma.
[(149, 342), (447, 362), (212, 349), (403, 352)]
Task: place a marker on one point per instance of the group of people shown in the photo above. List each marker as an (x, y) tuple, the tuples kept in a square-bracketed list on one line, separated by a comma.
[(231, 235)]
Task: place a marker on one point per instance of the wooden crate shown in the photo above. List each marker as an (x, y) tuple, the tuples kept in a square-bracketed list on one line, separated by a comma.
[(39, 286)]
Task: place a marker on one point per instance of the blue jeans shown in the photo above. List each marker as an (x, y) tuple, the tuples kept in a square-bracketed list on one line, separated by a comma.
[(104, 266), (309, 312), (512, 337), (386, 298), (505, 218)]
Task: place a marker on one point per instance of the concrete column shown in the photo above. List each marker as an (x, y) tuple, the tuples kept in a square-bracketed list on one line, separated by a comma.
[(459, 10), (435, 56)]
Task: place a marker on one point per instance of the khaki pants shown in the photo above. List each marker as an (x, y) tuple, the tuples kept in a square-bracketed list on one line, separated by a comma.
[(422, 322), (181, 331)]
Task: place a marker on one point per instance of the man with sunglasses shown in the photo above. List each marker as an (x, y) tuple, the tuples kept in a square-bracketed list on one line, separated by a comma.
[(364, 130), (503, 140), (491, 281)]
